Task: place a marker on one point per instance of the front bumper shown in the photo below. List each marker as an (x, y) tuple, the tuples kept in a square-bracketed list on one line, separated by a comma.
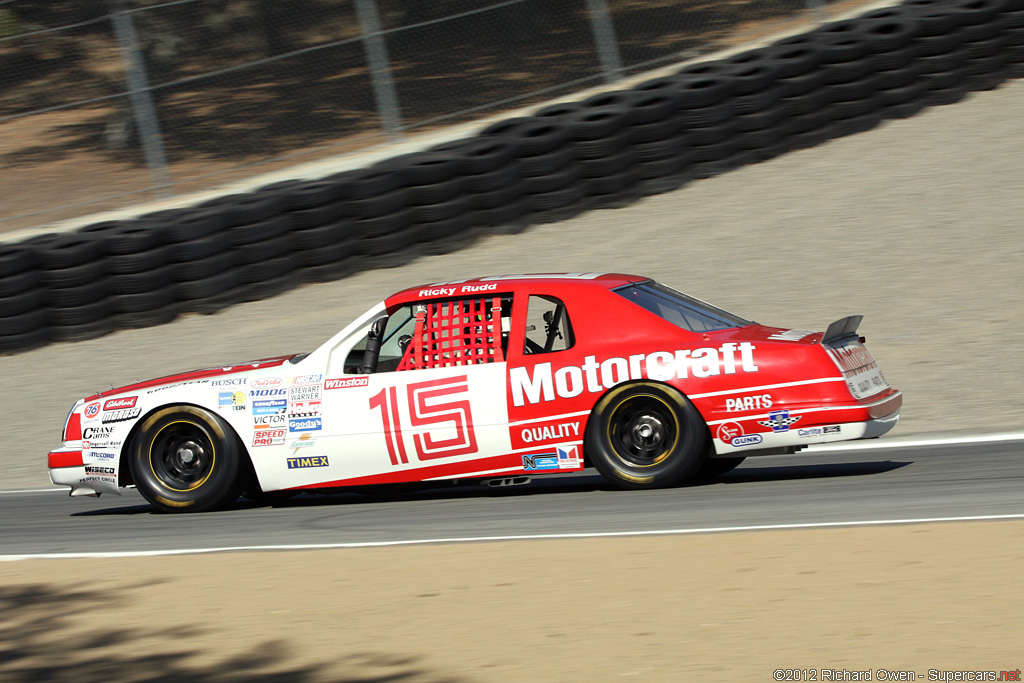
[(68, 468)]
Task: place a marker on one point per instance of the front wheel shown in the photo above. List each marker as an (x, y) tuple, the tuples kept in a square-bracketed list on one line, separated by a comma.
[(186, 459), (645, 435)]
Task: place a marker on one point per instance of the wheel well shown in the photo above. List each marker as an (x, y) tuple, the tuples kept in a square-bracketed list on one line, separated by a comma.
[(124, 470), (627, 383)]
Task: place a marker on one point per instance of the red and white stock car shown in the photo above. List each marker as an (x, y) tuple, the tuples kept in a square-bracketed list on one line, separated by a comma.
[(493, 379)]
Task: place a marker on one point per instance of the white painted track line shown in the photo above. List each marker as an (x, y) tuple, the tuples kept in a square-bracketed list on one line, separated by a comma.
[(482, 539), (911, 442)]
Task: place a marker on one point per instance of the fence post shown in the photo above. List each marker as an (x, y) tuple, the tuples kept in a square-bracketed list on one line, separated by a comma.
[(604, 37), (817, 10), (380, 70), (142, 102)]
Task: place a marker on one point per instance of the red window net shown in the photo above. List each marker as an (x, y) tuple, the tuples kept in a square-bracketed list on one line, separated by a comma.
[(465, 332)]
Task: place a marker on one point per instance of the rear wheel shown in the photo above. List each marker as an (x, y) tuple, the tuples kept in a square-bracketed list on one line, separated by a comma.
[(645, 435), (186, 459)]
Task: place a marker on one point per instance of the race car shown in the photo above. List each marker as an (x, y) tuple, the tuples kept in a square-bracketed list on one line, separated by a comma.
[(489, 380)]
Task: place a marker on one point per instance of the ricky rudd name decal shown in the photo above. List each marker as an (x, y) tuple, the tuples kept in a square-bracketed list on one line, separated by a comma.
[(571, 381)]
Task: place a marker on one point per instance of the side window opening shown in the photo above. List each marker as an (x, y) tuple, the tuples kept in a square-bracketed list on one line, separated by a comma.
[(547, 325), (440, 334), (457, 332)]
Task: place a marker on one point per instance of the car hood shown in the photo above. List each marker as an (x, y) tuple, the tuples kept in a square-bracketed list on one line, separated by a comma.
[(219, 371)]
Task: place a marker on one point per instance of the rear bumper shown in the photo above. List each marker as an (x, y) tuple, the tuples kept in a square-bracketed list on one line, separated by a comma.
[(868, 420)]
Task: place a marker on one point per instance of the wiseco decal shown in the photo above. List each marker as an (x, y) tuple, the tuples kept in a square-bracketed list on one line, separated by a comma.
[(571, 381), (116, 403)]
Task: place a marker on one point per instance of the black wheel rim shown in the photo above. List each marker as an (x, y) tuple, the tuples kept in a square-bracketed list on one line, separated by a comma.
[(643, 430), (182, 456)]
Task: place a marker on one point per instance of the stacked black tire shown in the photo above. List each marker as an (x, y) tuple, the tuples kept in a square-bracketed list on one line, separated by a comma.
[(709, 118)]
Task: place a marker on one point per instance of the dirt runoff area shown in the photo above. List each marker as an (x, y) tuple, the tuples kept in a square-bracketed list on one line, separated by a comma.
[(718, 607)]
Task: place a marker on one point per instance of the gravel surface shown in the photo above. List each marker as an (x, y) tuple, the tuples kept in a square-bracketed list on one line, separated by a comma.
[(915, 224)]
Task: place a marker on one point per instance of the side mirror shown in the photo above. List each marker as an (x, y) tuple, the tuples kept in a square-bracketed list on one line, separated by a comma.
[(373, 342)]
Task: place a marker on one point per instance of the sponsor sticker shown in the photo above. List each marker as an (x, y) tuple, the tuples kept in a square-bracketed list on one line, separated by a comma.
[(557, 431), (307, 379), (269, 406), (231, 399), (545, 383), (759, 402), (98, 469), (92, 410), (540, 461), (233, 382), (267, 421), (832, 429), (304, 409), (727, 431), (101, 456), (116, 403), (120, 415), (568, 457), (810, 432), (268, 393), (347, 382), (97, 432), (269, 437), (304, 393), (310, 424), (266, 382), (779, 421), (747, 440), (312, 461)]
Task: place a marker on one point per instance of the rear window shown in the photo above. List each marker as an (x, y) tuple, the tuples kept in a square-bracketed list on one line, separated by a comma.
[(677, 308)]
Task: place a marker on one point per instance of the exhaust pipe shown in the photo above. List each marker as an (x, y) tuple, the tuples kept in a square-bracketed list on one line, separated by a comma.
[(506, 481)]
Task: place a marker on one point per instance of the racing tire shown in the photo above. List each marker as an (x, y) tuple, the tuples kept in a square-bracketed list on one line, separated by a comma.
[(18, 283), (25, 341), (716, 467), (84, 331), (186, 459), (22, 302), (304, 219), (247, 208), (645, 435), (16, 259)]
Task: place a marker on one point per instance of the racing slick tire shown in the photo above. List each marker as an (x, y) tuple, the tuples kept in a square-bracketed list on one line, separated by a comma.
[(186, 459), (645, 435)]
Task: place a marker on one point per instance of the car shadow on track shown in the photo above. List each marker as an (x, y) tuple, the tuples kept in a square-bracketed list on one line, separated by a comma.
[(747, 474), (586, 482)]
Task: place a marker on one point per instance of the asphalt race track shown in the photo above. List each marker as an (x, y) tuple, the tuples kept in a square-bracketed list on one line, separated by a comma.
[(863, 485)]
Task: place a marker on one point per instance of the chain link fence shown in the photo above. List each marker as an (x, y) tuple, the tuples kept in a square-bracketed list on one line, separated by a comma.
[(106, 104)]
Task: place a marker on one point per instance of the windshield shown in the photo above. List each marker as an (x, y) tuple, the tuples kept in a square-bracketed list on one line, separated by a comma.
[(677, 308)]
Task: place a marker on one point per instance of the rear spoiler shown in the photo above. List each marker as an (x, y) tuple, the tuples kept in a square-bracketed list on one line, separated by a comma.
[(842, 328)]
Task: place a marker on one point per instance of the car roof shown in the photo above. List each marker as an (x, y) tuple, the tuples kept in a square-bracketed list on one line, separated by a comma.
[(512, 284)]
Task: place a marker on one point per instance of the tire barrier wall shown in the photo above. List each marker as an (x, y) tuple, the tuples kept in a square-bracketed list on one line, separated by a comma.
[(842, 78)]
